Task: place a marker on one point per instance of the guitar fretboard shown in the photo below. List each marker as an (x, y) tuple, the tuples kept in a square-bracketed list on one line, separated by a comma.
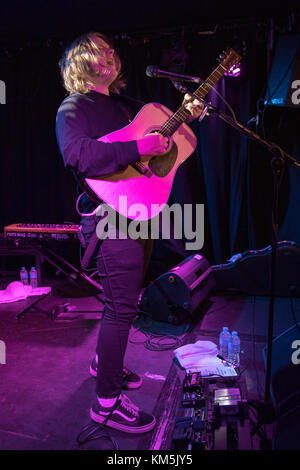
[(182, 114)]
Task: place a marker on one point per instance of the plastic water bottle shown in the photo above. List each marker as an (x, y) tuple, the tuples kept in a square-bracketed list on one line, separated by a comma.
[(235, 349), (223, 342), (33, 277), (24, 276)]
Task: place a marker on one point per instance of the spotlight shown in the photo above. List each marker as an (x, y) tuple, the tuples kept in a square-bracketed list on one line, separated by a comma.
[(234, 71)]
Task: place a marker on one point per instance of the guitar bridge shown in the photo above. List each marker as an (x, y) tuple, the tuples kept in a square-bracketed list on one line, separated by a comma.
[(142, 169)]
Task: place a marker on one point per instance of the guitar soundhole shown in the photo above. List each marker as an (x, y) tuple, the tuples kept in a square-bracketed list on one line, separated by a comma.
[(161, 165)]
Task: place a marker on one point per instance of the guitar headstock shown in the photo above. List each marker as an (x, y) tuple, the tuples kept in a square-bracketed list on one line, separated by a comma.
[(229, 58)]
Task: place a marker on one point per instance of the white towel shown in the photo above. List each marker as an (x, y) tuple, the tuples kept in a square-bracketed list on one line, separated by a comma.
[(202, 357), (17, 291), (195, 355)]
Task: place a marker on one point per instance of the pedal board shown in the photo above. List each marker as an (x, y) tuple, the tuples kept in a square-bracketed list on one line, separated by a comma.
[(212, 415)]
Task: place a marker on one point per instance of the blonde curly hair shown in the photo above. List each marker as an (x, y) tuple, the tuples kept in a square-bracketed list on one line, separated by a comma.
[(77, 65)]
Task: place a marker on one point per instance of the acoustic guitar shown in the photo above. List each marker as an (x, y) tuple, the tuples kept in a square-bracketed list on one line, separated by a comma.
[(141, 190)]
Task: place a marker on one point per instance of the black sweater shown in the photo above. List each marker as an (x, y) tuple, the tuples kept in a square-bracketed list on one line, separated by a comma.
[(81, 119)]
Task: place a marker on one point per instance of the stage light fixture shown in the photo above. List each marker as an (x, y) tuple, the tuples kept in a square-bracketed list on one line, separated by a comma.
[(234, 71)]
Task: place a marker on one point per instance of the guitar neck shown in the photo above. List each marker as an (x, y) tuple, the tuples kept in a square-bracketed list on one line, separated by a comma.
[(182, 114)]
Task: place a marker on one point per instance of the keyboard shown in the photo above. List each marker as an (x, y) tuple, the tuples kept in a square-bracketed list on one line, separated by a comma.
[(39, 231)]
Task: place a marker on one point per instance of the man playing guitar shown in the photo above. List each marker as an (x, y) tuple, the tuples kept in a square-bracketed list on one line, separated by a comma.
[(91, 72)]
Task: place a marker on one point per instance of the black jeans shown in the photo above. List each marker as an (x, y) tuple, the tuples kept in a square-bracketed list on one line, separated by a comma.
[(121, 264)]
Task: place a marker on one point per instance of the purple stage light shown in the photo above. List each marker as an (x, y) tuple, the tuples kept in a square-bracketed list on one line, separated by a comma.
[(234, 71)]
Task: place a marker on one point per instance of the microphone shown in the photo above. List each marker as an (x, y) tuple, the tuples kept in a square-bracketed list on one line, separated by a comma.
[(155, 72)]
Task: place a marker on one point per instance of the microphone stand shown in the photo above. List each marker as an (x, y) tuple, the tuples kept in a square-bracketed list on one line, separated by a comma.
[(266, 413)]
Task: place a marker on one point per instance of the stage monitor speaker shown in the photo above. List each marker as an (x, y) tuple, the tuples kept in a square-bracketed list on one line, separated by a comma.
[(249, 272), (173, 296), (285, 388), (284, 80)]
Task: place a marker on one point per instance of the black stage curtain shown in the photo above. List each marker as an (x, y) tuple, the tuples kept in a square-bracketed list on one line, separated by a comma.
[(231, 178)]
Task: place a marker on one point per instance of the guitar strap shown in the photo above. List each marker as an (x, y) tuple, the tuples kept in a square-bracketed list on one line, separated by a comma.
[(85, 261), (94, 239)]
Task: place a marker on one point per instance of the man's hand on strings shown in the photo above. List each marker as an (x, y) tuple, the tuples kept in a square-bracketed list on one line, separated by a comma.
[(195, 107), (152, 144), (155, 144)]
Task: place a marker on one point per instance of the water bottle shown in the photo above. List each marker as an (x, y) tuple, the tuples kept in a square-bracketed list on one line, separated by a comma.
[(223, 342), (24, 276), (33, 277), (235, 349)]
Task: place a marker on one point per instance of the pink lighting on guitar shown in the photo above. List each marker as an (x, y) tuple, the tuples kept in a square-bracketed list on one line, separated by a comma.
[(234, 71)]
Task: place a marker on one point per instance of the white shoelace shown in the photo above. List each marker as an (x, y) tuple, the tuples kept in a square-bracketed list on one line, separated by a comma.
[(128, 405)]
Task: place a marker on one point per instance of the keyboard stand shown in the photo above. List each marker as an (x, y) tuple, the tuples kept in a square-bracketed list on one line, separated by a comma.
[(32, 305), (62, 264)]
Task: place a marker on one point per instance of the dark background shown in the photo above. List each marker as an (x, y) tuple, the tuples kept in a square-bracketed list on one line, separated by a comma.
[(232, 178)]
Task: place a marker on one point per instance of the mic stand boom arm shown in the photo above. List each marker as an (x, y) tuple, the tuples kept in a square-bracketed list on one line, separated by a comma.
[(266, 412), (271, 146)]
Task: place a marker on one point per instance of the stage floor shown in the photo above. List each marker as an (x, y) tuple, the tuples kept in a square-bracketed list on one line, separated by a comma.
[(46, 389)]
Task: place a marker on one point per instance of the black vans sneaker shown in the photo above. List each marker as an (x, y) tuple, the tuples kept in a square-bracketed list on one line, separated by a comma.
[(131, 381), (123, 415)]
